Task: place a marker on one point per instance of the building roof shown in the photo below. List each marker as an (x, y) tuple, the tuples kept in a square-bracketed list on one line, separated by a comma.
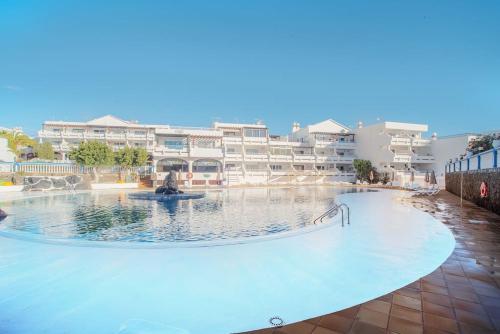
[(239, 125), (328, 126)]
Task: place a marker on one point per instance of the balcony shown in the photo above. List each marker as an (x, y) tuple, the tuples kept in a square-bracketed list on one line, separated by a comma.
[(256, 157), (421, 142), (280, 158), (233, 156), (93, 135), (232, 139), (49, 134), (423, 158), (399, 141), (73, 134), (304, 158), (257, 172), (401, 157), (348, 145), (343, 158), (168, 151), (335, 143), (205, 152), (134, 136), (255, 140)]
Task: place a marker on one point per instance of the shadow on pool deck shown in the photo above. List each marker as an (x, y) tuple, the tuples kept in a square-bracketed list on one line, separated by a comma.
[(461, 296)]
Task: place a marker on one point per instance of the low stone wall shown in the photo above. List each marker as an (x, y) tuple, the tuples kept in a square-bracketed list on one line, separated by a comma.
[(44, 183), (471, 185)]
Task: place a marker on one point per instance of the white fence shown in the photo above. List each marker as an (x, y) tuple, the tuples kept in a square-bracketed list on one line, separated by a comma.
[(483, 160), (54, 168)]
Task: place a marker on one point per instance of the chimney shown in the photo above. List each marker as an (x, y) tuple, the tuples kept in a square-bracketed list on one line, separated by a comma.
[(360, 125), (295, 127)]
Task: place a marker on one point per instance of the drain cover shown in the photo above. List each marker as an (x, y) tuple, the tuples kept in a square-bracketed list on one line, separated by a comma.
[(276, 321)]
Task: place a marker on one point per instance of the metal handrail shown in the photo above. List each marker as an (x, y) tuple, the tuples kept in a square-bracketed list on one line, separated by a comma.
[(335, 210)]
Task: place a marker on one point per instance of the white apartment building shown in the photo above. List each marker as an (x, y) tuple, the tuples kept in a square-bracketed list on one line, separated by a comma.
[(233, 154), (225, 153), (398, 149)]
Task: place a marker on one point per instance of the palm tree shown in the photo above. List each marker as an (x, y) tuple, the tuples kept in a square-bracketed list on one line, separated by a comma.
[(17, 140)]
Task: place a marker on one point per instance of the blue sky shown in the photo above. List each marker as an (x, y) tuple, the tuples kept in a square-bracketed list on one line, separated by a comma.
[(193, 62)]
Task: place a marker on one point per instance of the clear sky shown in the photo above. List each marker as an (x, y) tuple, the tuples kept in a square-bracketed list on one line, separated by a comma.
[(193, 62)]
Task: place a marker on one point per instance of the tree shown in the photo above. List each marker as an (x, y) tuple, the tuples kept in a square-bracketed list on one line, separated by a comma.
[(17, 140), (44, 151), (140, 157), (125, 157), (363, 168), (93, 154), (481, 144), (131, 157)]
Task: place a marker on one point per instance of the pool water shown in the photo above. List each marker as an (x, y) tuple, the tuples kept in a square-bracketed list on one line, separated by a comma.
[(237, 213), (291, 270)]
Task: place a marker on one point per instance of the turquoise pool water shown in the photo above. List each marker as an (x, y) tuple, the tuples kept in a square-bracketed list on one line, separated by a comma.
[(52, 282), (237, 213)]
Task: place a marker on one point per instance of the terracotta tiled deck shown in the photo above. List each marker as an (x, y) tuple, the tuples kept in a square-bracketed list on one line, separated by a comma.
[(461, 296)]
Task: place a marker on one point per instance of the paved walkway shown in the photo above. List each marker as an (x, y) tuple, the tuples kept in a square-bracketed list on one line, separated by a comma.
[(461, 296)]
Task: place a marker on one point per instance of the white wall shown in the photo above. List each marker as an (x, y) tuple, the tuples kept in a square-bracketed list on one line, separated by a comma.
[(372, 145), (6, 154), (447, 148)]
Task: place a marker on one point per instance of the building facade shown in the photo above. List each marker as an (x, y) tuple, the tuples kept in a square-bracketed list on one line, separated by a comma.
[(234, 154), (226, 153)]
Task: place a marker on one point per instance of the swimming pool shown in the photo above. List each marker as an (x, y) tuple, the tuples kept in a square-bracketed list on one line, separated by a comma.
[(56, 283), (220, 215)]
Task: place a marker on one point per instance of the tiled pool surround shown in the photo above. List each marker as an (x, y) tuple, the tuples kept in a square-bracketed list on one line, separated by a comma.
[(461, 296)]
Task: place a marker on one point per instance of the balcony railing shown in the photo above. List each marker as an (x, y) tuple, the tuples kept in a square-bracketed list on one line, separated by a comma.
[(423, 158), (233, 156), (255, 140), (204, 152), (400, 141), (279, 157), (401, 158), (421, 142), (256, 156), (304, 158)]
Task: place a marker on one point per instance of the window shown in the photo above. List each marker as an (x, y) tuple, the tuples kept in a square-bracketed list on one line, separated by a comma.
[(230, 150), (56, 130), (260, 133), (206, 166), (206, 144), (298, 167), (175, 143), (139, 133), (276, 167), (253, 151), (167, 165), (231, 134), (78, 130), (99, 131), (280, 151)]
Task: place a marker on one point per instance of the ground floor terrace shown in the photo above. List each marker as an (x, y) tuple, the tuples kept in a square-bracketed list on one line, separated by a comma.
[(229, 172), (461, 296)]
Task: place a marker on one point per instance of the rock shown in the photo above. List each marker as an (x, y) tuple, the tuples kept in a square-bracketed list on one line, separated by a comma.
[(169, 186), (171, 181), (59, 183), (73, 179), (3, 215)]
